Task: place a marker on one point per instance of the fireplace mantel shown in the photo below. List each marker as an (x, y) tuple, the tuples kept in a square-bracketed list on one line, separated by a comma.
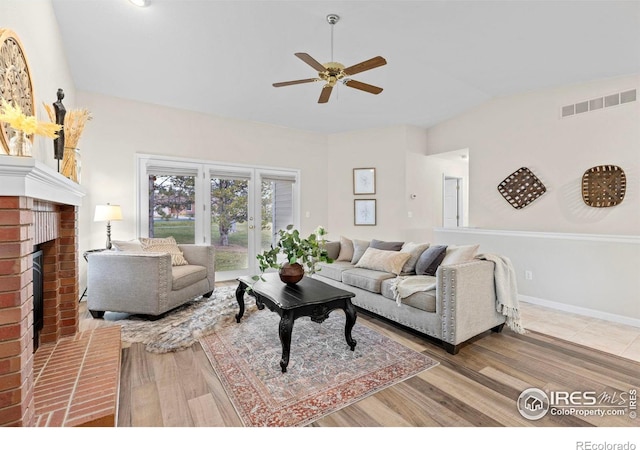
[(27, 177)]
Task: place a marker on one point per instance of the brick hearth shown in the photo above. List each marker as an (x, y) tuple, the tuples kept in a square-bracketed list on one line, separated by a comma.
[(77, 378)]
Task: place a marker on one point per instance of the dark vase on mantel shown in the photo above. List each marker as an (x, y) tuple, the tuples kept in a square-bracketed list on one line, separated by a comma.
[(291, 273)]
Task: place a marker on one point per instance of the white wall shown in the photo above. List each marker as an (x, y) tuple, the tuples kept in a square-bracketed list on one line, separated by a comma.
[(120, 129), (424, 177), (35, 25), (402, 169), (526, 131), (554, 236), (593, 275), (383, 149)]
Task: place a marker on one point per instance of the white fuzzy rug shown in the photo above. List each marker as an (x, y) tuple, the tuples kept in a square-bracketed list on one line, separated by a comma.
[(182, 327)]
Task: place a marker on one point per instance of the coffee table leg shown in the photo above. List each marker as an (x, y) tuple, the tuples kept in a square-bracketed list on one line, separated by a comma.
[(240, 299), (350, 313), (284, 330)]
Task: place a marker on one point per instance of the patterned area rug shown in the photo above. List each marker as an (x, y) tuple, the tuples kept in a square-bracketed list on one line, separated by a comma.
[(323, 375), (181, 327)]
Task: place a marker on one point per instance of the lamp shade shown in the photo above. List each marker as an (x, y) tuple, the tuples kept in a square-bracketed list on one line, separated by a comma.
[(107, 212)]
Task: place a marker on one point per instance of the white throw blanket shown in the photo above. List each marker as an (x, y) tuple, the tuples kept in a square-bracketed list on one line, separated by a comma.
[(506, 290), (403, 287)]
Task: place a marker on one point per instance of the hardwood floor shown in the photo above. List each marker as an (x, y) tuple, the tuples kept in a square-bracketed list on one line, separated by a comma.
[(478, 387)]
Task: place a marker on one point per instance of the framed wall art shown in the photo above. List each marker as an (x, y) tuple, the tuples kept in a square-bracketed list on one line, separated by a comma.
[(15, 81), (364, 212), (364, 181)]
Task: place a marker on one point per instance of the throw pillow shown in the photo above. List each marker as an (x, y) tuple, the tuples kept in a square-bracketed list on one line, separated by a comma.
[(415, 250), (127, 246), (165, 245), (383, 260), (346, 249), (333, 249), (430, 259), (457, 254), (359, 247), (386, 245)]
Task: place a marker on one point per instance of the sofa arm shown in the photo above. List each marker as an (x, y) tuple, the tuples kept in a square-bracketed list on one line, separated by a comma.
[(201, 255), (466, 300), (127, 281)]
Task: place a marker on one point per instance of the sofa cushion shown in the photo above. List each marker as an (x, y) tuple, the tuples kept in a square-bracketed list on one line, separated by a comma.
[(430, 259), (333, 270), (359, 247), (383, 260), (127, 246), (415, 250), (165, 245), (186, 275), (369, 280), (346, 249), (426, 301), (386, 245), (457, 254), (333, 249)]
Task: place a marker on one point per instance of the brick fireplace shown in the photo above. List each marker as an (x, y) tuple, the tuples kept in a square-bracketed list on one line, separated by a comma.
[(38, 210)]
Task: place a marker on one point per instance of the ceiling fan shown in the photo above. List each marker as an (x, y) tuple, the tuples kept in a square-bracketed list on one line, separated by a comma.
[(332, 72)]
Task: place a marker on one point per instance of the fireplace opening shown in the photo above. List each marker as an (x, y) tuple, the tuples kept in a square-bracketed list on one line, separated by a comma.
[(38, 297)]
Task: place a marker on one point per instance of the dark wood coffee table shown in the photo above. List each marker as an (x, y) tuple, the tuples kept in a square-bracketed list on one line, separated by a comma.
[(310, 298)]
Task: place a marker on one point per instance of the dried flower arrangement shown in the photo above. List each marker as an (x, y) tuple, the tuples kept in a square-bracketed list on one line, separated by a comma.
[(29, 125), (74, 123)]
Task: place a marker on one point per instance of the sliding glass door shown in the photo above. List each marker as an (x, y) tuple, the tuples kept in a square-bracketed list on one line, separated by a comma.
[(232, 223), (238, 209), (171, 207)]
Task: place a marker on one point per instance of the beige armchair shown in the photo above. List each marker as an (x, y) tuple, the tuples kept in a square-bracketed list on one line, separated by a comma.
[(146, 283)]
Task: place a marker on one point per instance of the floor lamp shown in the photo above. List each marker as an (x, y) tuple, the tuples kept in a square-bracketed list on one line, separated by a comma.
[(108, 213)]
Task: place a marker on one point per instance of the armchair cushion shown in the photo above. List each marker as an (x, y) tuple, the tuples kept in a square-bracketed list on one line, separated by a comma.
[(165, 245), (186, 275)]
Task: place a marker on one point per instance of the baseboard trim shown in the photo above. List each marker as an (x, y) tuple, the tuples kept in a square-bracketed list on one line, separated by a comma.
[(581, 311)]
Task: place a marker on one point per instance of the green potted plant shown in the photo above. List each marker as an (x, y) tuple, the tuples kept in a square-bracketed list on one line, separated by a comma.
[(301, 254)]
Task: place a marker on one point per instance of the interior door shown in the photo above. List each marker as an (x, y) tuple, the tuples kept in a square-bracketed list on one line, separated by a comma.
[(451, 203)]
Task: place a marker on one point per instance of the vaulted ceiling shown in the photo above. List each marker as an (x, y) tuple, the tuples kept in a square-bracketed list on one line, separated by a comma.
[(443, 57)]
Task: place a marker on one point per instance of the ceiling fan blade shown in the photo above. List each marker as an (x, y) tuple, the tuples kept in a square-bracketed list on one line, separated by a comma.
[(363, 86), (325, 94), (312, 62), (289, 83), (365, 65)]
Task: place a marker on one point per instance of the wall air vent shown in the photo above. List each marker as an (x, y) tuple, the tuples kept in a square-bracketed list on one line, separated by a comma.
[(607, 101)]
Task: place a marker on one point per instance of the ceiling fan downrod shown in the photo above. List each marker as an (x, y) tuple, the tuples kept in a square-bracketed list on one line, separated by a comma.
[(332, 19)]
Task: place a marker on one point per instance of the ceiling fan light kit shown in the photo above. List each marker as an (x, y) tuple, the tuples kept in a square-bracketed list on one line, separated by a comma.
[(332, 72)]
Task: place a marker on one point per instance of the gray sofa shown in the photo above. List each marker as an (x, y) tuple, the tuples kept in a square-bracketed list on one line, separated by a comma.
[(462, 305), (139, 282)]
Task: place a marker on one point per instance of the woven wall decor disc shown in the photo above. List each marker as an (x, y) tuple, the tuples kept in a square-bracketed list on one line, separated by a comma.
[(604, 186), (15, 80), (521, 188)]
